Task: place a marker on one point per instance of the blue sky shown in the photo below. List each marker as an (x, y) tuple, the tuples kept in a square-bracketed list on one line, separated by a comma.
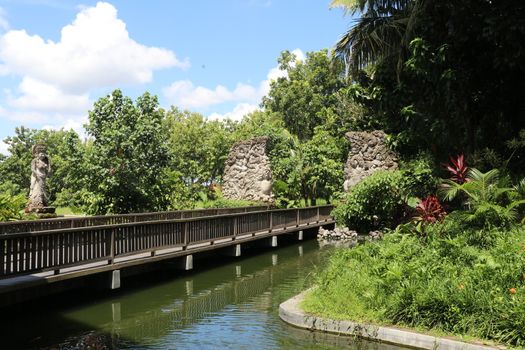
[(215, 57)]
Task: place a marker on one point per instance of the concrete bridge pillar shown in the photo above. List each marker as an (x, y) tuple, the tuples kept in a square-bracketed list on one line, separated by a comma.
[(185, 263), (273, 241), (114, 280), (234, 250), (300, 235)]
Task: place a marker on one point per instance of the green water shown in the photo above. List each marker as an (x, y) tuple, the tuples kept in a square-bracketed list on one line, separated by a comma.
[(228, 305)]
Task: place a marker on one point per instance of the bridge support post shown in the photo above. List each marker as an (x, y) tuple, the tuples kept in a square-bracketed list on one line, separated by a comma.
[(115, 280), (273, 241), (185, 263), (300, 235), (234, 250), (231, 251)]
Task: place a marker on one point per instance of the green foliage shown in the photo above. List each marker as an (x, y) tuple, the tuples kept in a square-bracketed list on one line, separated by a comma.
[(375, 202), (444, 284), (441, 76), (11, 206), (488, 200), (323, 165), (65, 150), (16, 168), (310, 94), (199, 147), (418, 177), (129, 155)]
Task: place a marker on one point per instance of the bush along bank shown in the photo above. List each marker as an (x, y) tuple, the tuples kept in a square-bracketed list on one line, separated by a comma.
[(460, 273)]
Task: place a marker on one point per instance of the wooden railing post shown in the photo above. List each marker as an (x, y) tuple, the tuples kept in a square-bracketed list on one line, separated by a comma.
[(318, 217), (297, 218), (3, 245), (112, 243), (185, 235), (271, 220), (234, 227)]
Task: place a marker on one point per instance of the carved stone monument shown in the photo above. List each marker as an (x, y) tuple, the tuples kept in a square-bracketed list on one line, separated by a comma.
[(40, 171), (248, 175), (368, 154)]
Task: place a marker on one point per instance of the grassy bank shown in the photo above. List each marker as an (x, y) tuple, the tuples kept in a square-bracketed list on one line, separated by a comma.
[(470, 283)]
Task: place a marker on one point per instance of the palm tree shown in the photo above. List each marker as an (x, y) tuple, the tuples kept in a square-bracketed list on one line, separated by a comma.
[(383, 29)]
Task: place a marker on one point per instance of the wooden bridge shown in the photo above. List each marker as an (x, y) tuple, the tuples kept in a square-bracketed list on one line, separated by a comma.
[(45, 251)]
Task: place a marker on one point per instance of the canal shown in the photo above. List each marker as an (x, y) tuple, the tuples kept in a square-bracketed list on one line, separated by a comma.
[(230, 305)]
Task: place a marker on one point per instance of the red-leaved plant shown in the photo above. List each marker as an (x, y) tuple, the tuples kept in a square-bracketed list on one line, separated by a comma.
[(430, 210), (458, 169)]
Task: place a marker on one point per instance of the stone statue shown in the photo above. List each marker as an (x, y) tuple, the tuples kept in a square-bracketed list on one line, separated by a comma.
[(40, 171)]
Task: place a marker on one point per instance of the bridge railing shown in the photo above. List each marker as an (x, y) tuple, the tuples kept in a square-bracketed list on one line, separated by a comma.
[(101, 220), (32, 252)]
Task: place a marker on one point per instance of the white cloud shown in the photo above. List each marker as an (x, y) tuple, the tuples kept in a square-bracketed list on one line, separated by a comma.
[(239, 112), (183, 93), (94, 51), (4, 24), (70, 124), (44, 97)]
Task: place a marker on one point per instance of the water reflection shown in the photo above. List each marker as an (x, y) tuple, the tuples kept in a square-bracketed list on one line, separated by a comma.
[(234, 305)]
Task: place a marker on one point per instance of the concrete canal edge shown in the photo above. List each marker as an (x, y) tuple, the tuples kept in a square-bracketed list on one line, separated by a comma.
[(290, 312)]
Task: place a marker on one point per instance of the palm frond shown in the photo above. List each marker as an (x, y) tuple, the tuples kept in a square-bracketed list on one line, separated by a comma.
[(516, 204), (371, 39), (449, 190), (520, 188), (348, 6)]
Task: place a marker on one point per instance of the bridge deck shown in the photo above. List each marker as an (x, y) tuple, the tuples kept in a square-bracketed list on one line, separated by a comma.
[(30, 259)]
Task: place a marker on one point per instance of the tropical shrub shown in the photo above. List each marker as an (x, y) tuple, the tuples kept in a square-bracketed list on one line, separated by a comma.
[(419, 179), (374, 203), (430, 210), (489, 201), (458, 169)]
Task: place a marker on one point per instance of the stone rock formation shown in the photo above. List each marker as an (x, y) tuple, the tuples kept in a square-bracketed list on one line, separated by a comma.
[(368, 154), (337, 233), (248, 175)]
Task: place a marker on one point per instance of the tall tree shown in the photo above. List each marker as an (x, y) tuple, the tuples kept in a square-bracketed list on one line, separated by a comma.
[(128, 157), (307, 93), (199, 148)]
